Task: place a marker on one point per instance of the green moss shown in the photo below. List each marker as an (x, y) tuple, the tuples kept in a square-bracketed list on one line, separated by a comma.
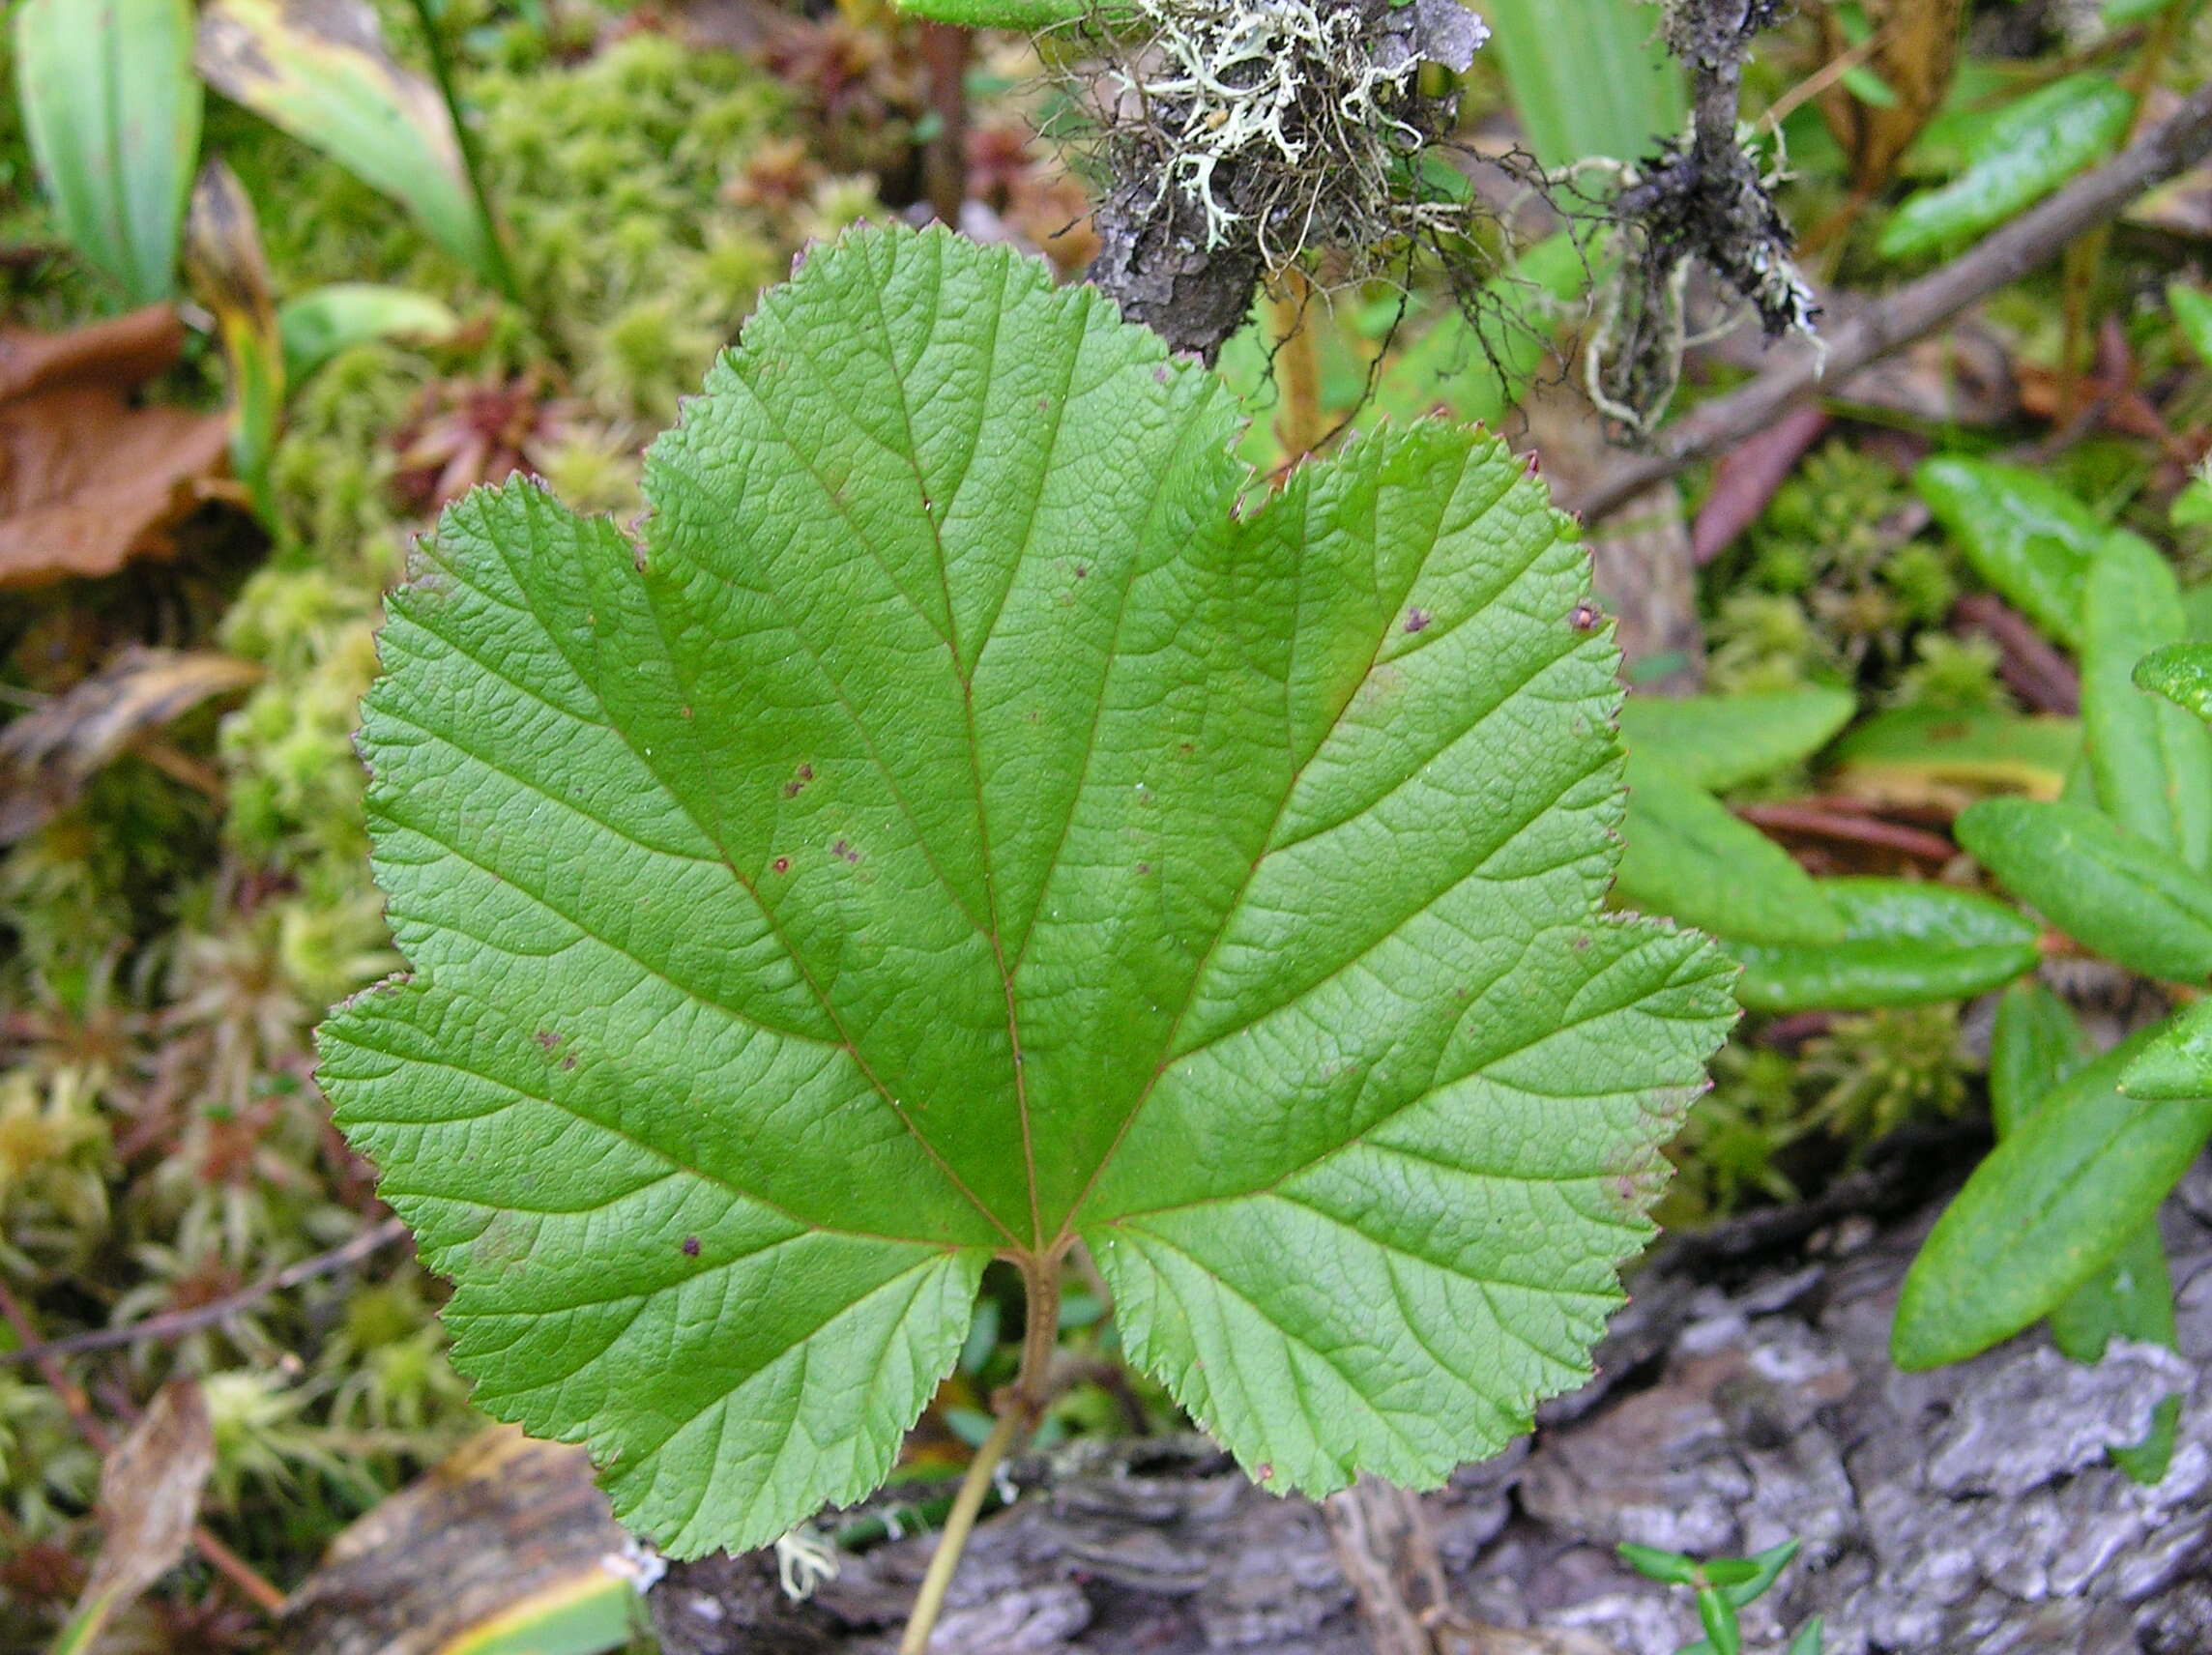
[(1833, 540), (1874, 1073)]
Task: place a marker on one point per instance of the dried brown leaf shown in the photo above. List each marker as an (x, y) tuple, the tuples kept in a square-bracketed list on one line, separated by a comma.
[(48, 755), (1915, 52), (118, 354), (149, 1495), (87, 482)]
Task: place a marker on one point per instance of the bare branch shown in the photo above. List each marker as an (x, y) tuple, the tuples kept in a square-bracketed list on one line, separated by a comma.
[(176, 1323), (2031, 240)]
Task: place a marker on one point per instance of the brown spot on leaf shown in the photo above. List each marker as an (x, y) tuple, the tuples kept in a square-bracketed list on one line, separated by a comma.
[(782, 864), (796, 785), (690, 1246), (844, 848), (1585, 617), (1417, 620), (546, 1039)]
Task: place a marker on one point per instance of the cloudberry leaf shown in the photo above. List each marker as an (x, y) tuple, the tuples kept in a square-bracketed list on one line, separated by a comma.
[(960, 827)]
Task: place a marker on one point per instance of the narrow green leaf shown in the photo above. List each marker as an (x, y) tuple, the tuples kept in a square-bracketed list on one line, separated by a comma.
[(2025, 152), (2036, 1044), (2177, 1064), (2182, 673), (1689, 857), (1722, 1630), (319, 324), (1768, 1567), (2131, 1298), (1904, 943), (2193, 309), (2052, 1206), (1720, 741), (1030, 17), (961, 828), (2026, 537), (1983, 750), (112, 112), (2151, 761), (1808, 1641), (1653, 1563), (1554, 52), (319, 69), (2131, 902)]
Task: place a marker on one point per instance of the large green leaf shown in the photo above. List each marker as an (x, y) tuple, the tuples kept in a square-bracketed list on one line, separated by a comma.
[(959, 830), (112, 112), (2151, 760), (2132, 902)]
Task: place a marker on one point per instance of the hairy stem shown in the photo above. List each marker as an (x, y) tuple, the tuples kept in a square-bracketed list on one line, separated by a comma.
[(1018, 1406), (966, 1505)]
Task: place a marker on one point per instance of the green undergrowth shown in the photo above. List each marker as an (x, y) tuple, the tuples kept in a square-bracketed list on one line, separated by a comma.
[(163, 955)]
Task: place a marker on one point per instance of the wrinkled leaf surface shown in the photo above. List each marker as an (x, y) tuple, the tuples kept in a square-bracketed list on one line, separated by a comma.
[(957, 829)]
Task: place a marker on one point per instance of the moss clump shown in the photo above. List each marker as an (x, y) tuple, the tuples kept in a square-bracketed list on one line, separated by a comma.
[(1836, 543)]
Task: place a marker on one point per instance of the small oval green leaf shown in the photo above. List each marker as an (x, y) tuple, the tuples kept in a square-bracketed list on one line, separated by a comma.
[(2151, 761), (1720, 741), (1687, 857), (2026, 537), (2024, 153), (2177, 1063), (2130, 901), (2182, 673), (2193, 309), (1986, 751), (2052, 1206), (1904, 943), (2035, 1044)]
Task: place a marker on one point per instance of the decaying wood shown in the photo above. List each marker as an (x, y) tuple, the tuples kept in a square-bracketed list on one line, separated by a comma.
[(1968, 1512), (1744, 1396)]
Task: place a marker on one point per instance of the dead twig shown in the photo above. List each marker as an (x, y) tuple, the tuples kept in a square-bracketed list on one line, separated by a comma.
[(1814, 820), (2031, 240), (218, 1557), (176, 1323)]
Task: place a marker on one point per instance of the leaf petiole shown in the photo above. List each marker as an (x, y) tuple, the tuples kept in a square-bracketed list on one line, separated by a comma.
[(1019, 1407)]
